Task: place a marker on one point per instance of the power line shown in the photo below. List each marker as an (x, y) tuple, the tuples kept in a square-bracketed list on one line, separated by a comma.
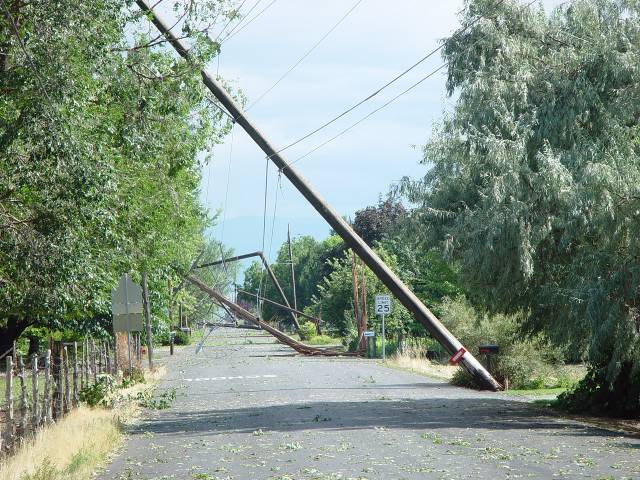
[(226, 194), (278, 189), (373, 112), (390, 82), (231, 19), (241, 20), (264, 223), (302, 58), (230, 35)]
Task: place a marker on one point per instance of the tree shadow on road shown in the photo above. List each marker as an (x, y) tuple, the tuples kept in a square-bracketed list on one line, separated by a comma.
[(432, 414)]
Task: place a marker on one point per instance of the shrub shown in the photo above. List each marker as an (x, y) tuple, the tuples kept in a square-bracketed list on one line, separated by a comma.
[(307, 330), (136, 375), (323, 340), (524, 360), (96, 394), (180, 338)]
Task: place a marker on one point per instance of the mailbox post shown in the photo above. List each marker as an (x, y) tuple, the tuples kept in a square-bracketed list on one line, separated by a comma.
[(489, 353)]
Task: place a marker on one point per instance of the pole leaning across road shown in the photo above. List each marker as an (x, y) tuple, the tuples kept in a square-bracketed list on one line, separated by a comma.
[(340, 226)]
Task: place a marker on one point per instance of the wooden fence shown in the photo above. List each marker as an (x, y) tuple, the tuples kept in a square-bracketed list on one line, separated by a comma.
[(43, 388)]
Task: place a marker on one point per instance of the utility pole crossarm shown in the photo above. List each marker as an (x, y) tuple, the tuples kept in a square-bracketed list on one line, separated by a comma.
[(339, 225), (271, 273)]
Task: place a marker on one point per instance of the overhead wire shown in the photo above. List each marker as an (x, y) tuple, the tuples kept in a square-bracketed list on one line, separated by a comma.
[(303, 57), (264, 222), (231, 19), (242, 19), (376, 110), (386, 85), (278, 189), (373, 112), (249, 22)]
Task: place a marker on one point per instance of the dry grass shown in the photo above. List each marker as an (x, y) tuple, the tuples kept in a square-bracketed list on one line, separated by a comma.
[(75, 446), (413, 360), (69, 449)]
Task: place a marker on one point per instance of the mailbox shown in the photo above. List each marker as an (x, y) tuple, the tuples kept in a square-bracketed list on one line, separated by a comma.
[(489, 349)]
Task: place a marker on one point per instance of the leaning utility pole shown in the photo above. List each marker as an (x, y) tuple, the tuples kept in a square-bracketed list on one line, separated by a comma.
[(293, 271), (339, 225), (269, 270)]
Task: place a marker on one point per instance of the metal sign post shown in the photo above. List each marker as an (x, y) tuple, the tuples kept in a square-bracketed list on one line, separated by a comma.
[(383, 307)]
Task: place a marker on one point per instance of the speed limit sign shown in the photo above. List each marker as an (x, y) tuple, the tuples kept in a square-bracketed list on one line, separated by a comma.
[(383, 307), (383, 304)]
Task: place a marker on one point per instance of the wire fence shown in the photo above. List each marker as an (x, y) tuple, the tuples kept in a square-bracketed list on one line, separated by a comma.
[(42, 388)]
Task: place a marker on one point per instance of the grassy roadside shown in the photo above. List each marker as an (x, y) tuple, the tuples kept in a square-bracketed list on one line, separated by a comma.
[(421, 366), (74, 447)]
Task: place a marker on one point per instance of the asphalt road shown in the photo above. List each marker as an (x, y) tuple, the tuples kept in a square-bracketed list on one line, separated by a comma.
[(246, 408)]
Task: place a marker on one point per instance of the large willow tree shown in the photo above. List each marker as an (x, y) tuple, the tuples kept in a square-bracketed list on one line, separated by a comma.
[(534, 178), (101, 132)]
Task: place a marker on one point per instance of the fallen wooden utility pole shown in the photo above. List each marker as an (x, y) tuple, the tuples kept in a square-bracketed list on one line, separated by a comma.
[(282, 337), (271, 273), (339, 225), (283, 307)]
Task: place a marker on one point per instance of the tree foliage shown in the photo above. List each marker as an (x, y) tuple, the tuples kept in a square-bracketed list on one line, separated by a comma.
[(101, 130), (379, 222), (533, 181)]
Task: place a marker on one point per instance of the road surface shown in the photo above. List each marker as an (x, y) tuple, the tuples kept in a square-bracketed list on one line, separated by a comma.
[(246, 408)]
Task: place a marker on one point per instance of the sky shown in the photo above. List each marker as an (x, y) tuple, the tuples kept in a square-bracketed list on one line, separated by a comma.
[(375, 42)]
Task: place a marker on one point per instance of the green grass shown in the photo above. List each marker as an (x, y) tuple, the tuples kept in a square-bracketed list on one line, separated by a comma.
[(323, 340), (538, 392), (547, 403), (16, 387)]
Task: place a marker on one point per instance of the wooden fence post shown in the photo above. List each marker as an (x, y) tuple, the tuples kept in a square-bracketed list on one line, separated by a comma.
[(115, 354), (23, 398), (108, 357), (99, 355), (93, 362), (58, 395), (35, 418), (46, 399), (67, 386), (75, 374), (85, 361), (9, 394)]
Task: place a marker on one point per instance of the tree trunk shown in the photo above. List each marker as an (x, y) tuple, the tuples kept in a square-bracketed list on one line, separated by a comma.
[(10, 333)]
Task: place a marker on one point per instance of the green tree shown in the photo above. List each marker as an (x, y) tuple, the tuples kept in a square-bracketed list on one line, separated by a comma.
[(101, 128), (378, 222), (533, 182), (311, 262)]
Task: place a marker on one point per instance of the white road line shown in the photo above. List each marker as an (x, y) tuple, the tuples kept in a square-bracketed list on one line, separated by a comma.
[(237, 377)]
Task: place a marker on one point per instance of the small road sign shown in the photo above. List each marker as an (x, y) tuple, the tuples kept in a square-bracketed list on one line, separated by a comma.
[(369, 333), (456, 357), (383, 304), (126, 306), (383, 307)]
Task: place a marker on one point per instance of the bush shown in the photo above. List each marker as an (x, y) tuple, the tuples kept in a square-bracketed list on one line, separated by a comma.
[(96, 394), (323, 340), (590, 396), (180, 338), (136, 375), (524, 361), (307, 330)]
